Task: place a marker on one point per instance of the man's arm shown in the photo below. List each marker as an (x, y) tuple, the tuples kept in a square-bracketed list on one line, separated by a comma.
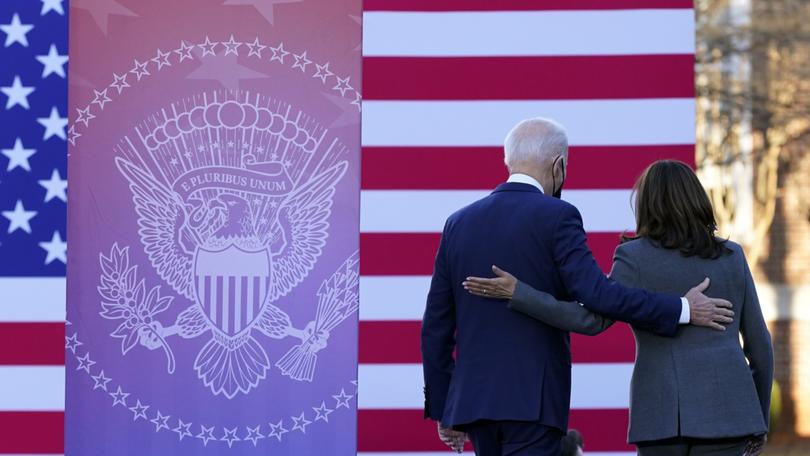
[(438, 335), (523, 298), (568, 316), (586, 282), (565, 315)]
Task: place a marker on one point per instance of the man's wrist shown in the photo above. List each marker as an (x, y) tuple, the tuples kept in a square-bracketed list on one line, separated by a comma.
[(686, 316)]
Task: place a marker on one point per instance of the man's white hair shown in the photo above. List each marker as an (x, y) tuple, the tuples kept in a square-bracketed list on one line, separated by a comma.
[(534, 141)]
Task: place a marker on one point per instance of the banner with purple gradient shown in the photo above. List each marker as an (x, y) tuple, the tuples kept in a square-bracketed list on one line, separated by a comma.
[(213, 225)]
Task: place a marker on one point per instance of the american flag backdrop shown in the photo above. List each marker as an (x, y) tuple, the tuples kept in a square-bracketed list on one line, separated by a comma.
[(443, 81), (33, 132)]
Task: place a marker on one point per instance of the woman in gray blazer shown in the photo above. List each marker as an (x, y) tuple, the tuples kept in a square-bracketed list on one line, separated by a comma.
[(699, 392)]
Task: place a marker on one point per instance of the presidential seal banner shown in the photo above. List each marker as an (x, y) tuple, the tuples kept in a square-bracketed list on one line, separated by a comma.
[(214, 227)]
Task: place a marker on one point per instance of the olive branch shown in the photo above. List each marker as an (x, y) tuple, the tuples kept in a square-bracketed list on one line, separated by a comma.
[(124, 297)]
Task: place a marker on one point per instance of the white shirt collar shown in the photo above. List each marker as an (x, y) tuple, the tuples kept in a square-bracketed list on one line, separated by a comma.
[(525, 179)]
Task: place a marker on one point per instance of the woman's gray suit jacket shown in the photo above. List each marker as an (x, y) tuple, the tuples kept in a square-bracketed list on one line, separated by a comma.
[(698, 383)]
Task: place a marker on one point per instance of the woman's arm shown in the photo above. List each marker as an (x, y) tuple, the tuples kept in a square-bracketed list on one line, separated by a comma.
[(568, 316), (757, 343)]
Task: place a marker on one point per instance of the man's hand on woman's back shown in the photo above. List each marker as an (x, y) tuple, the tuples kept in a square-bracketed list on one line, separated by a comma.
[(709, 312)]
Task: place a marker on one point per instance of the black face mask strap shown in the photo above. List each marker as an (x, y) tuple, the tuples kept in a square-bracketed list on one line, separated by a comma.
[(557, 191)]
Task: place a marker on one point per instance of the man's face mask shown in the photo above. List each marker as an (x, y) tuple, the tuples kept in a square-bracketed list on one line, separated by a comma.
[(557, 191)]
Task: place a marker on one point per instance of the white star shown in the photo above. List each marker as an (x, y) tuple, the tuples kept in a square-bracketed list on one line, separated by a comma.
[(358, 99), (18, 156), (342, 85), (301, 61), (54, 125), (120, 82), (139, 411), (162, 59), (101, 98), (52, 5), (73, 135), (184, 51), (16, 31), (72, 343), (140, 69), (254, 434), (84, 116), (19, 218), (322, 413), (277, 430), (322, 72), (119, 397), (53, 62), (230, 436), (160, 421), (55, 187), (85, 363), (301, 423), (278, 53), (182, 429), (100, 381), (208, 49), (342, 399), (231, 46), (255, 48), (56, 248), (17, 94), (206, 434)]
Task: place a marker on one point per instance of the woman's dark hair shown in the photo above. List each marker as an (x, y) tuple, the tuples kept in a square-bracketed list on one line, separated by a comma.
[(673, 210)]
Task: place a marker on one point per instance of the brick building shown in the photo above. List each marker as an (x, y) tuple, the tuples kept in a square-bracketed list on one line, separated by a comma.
[(783, 283)]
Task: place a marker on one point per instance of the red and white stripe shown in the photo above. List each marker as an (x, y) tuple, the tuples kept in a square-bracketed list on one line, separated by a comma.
[(443, 82), (32, 372)]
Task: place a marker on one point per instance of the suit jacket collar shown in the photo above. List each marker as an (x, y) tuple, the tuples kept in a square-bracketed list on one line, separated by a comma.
[(516, 187), (525, 179)]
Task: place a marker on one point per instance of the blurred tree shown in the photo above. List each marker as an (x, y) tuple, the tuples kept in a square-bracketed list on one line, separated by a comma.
[(753, 94), (753, 112)]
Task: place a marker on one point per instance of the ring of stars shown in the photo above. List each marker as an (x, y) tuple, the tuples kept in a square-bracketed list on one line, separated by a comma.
[(225, 435), (160, 59)]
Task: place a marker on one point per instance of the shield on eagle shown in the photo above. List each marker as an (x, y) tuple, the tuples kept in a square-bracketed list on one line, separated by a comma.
[(231, 286)]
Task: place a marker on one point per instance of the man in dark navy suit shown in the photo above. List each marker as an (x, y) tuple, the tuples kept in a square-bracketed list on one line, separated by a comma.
[(508, 386)]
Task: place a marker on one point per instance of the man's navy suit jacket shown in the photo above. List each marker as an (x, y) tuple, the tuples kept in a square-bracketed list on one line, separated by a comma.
[(508, 366)]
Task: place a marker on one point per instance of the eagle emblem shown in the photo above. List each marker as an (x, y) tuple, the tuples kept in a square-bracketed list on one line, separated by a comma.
[(233, 200)]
